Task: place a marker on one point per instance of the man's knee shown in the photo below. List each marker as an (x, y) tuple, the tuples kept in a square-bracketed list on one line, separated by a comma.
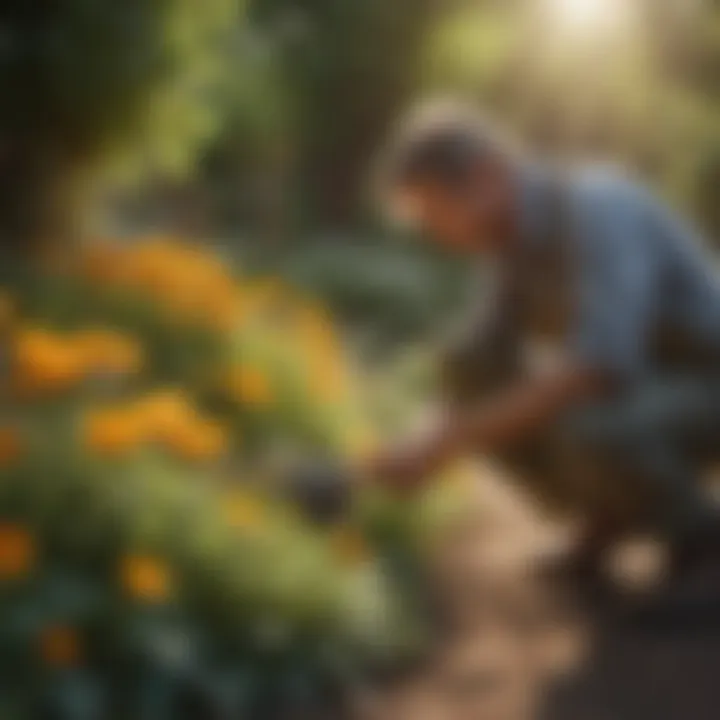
[(599, 459)]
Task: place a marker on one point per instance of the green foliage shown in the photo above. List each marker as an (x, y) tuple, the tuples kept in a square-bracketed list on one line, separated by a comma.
[(139, 526), (82, 78), (128, 86)]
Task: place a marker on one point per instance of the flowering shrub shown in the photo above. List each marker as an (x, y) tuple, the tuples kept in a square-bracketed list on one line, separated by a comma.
[(143, 553)]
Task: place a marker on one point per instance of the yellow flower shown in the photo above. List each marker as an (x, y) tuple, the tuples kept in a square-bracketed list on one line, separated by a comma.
[(17, 551), (113, 432), (60, 646), (11, 446), (243, 511), (146, 578), (327, 378), (251, 385)]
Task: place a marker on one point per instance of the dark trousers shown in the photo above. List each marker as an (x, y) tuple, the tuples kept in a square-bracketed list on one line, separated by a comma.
[(636, 459)]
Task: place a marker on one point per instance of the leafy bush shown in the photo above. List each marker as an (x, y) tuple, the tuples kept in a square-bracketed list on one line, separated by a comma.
[(393, 294), (143, 552)]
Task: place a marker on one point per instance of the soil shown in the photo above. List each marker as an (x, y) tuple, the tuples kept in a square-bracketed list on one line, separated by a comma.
[(517, 648)]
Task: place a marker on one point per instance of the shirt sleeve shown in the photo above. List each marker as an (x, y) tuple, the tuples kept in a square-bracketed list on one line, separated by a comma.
[(616, 293)]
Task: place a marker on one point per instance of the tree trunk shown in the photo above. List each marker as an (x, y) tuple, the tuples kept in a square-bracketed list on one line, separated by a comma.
[(41, 199)]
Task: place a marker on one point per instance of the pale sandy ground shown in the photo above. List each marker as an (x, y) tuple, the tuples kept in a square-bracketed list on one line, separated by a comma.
[(520, 651), (506, 639)]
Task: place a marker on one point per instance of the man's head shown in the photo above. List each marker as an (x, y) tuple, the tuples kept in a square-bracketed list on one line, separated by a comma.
[(450, 174)]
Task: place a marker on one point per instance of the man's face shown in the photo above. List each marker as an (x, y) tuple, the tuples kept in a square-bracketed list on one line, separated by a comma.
[(476, 217)]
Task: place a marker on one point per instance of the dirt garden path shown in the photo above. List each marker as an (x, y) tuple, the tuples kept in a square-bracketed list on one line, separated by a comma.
[(519, 651)]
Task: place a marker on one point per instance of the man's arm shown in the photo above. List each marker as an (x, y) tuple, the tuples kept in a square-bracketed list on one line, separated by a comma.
[(617, 292), (501, 420)]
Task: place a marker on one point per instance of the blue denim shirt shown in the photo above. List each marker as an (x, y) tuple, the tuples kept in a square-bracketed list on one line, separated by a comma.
[(636, 266)]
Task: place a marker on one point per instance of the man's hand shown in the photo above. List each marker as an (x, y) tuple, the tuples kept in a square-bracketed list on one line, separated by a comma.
[(408, 463)]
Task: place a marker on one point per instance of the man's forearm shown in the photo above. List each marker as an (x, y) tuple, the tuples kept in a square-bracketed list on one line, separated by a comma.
[(517, 412)]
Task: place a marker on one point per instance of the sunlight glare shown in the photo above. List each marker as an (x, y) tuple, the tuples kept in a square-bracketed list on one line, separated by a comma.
[(584, 15)]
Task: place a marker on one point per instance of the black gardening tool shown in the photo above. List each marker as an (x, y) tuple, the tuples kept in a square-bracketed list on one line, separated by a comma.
[(323, 490)]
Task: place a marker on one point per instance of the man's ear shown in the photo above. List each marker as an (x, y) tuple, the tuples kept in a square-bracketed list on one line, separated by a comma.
[(404, 207)]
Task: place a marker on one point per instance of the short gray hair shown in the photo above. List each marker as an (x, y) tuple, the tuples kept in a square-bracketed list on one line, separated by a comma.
[(442, 141)]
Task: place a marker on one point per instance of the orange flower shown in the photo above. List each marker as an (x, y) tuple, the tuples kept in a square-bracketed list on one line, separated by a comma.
[(151, 268), (223, 307), (105, 350), (113, 432), (11, 446), (17, 551), (43, 360), (349, 546), (146, 578), (203, 440), (169, 417), (226, 318), (252, 386), (60, 646), (243, 511), (165, 412)]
